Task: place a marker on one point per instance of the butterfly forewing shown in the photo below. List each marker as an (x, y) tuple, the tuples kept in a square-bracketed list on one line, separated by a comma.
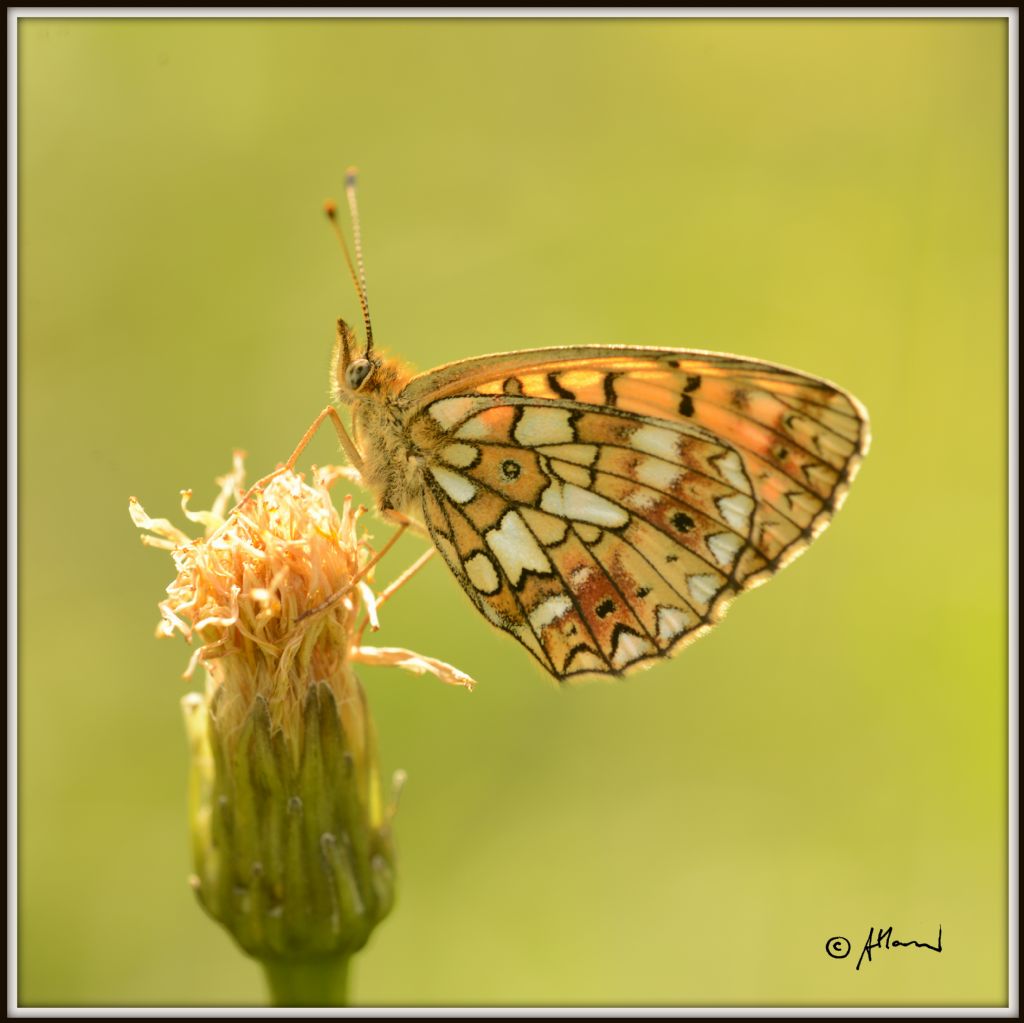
[(604, 504)]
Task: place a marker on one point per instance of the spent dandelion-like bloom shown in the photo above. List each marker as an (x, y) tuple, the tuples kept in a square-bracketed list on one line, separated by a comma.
[(291, 837)]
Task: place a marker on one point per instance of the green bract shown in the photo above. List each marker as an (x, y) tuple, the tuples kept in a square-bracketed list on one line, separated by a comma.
[(291, 852)]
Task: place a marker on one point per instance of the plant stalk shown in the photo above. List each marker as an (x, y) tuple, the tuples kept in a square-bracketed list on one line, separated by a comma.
[(307, 982)]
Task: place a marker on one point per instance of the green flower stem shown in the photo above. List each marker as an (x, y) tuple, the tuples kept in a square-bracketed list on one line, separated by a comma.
[(307, 982)]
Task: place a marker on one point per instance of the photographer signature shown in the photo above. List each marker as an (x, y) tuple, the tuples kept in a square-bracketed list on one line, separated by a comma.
[(839, 947)]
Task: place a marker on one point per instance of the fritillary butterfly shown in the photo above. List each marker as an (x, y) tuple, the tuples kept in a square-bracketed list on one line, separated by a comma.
[(603, 504)]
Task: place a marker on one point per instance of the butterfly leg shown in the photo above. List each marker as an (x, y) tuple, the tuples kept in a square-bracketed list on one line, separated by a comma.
[(403, 521), (355, 580), (346, 442), (391, 589)]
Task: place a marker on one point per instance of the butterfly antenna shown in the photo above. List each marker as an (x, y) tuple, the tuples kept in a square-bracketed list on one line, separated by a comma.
[(358, 279), (357, 237)]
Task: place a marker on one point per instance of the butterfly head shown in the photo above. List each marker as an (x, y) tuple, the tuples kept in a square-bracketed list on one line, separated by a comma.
[(362, 374), (351, 372), (356, 375)]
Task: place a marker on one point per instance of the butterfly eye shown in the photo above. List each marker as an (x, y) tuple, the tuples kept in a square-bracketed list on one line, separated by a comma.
[(357, 372)]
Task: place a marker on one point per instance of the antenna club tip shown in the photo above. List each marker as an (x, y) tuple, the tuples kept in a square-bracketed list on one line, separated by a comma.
[(350, 176), (331, 208)]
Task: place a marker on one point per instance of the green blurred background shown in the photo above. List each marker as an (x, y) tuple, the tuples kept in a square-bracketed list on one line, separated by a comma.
[(826, 194)]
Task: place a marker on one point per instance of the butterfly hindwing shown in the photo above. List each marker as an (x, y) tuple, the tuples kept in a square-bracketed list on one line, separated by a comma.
[(558, 565), (603, 505)]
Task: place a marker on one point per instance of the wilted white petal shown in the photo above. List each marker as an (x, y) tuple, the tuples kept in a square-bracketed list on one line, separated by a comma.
[(208, 519), (418, 664), (370, 603), (162, 527), (327, 475)]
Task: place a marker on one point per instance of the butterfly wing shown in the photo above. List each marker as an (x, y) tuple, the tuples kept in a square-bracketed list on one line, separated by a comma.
[(604, 504)]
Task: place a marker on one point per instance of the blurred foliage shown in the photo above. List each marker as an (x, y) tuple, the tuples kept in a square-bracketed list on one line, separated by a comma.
[(829, 194)]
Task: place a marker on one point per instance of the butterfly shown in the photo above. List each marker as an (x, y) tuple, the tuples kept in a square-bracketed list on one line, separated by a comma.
[(602, 504)]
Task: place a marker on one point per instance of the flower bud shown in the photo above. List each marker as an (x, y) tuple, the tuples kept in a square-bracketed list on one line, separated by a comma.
[(290, 852), (291, 842)]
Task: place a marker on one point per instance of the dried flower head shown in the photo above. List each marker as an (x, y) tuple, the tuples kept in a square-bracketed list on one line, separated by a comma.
[(253, 591), (291, 841)]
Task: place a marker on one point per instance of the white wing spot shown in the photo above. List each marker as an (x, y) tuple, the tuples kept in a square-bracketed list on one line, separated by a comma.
[(724, 547), (736, 509), (702, 587), (550, 611), (658, 475), (630, 648), (457, 487), (544, 426), (657, 441), (460, 455), (672, 622), (640, 500), (568, 501), (579, 575), (515, 548), (448, 411), (482, 573), (730, 468)]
